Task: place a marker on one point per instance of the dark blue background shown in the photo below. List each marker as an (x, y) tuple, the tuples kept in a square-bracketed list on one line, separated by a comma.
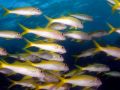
[(99, 9)]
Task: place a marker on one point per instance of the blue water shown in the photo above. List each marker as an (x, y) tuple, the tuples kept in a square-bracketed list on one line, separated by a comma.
[(99, 9)]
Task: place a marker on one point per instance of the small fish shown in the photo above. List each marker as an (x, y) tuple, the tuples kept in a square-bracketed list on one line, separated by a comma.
[(53, 47), (81, 80), (74, 72), (25, 11), (30, 83), (3, 52), (95, 68), (82, 17), (113, 73), (113, 29), (23, 68), (51, 65), (110, 50), (66, 20), (44, 32), (47, 55), (25, 56), (87, 53), (79, 35), (10, 34), (98, 34), (57, 26)]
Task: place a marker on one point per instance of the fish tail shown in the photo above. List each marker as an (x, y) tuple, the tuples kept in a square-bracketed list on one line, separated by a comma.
[(13, 83), (97, 45), (29, 44), (7, 11), (76, 57), (112, 29), (48, 18), (26, 30), (79, 67)]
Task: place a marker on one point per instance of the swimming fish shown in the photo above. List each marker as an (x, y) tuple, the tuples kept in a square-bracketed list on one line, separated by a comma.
[(110, 50), (79, 35), (95, 68), (23, 68), (25, 56), (47, 55), (10, 34), (113, 73), (82, 17), (87, 53), (81, 80), (66, 20), (25, 11), (30, 83), (44, 32), (98, 34), (51, 65), (57, 26), (53, 47)]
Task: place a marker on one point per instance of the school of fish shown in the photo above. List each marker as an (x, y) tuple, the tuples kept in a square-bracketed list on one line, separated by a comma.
[(45, 69)]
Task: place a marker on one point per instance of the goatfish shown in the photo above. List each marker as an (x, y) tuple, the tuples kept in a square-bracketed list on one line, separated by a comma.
[(44, 32), (113, 29), (98, 34), (23, 68), (25, 56), (87, 53), (79, 35), (113, 73), (24, 11), (3, 52), (110, 50), (10, 34), (50, 65), (53, 47), (30, 83), (57, 26), (95, 68), (81, 80), (66, 20), (82, 17), (47, 55)]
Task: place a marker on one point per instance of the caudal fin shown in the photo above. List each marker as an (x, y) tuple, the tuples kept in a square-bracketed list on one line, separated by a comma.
[(29, 44), (112, 29), (7, 11), (97, 45), (26, 30)]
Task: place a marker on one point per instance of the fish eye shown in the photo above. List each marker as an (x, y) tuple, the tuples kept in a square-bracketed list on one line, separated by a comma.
[(41, 71), (66, 65), (19, 34)]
